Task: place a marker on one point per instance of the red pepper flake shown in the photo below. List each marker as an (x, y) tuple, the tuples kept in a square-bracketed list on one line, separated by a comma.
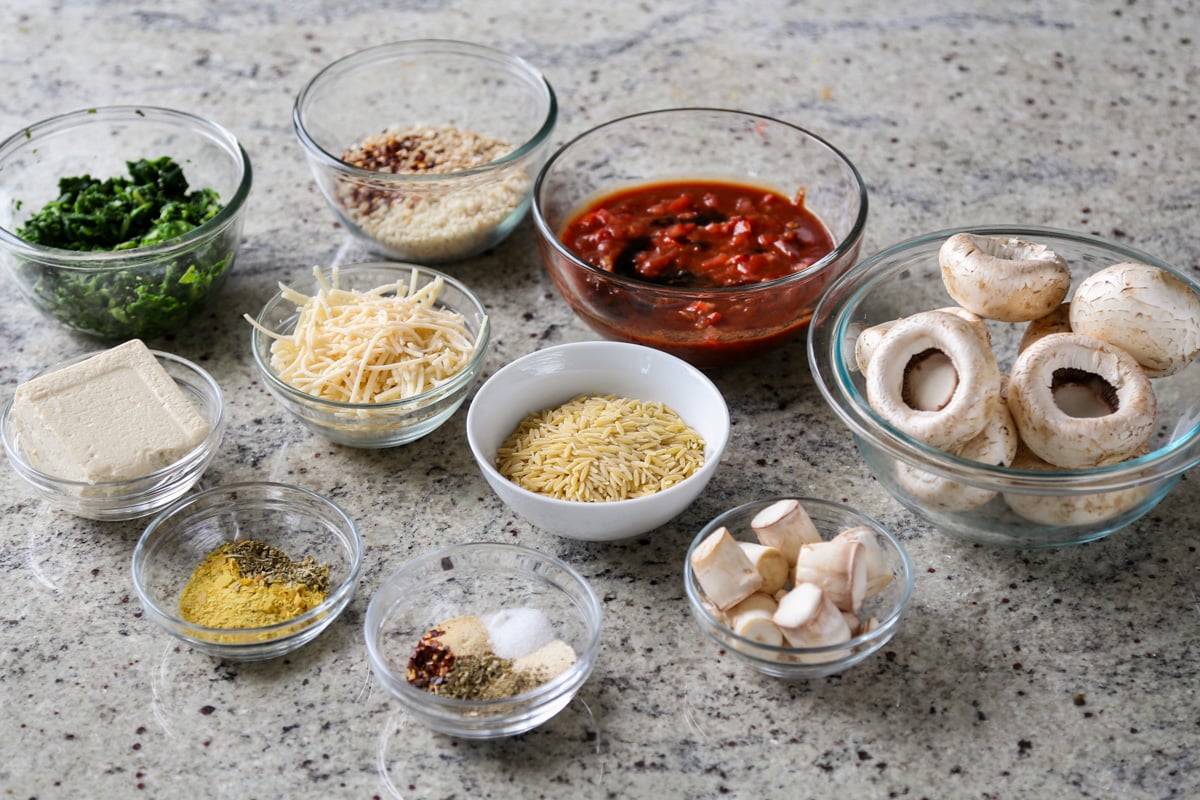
[(431, 660)]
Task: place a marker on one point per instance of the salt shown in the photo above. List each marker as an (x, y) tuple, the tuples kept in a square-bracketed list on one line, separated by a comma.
[(517, 632)]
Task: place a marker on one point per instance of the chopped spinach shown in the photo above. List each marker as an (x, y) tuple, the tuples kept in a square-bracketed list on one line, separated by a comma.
[(151, 206)]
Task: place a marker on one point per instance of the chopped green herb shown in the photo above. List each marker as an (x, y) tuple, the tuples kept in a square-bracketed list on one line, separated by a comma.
[(151, 206)]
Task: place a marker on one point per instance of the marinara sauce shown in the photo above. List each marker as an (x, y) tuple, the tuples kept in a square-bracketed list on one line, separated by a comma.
[(698, 234)]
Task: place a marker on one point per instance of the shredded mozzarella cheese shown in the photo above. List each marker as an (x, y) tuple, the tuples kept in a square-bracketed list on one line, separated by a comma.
[(390, 343)]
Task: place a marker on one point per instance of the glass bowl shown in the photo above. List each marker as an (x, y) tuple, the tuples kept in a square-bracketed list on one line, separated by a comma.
[(375, 425), (427, 217), (294, 520), (707, 327), (546, 378), (147, 291), (1058, 506), (477, 579), (796, 663), (137, 497)]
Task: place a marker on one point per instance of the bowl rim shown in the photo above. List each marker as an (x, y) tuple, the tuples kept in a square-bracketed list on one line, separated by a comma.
[(414, 47), (830, 326), (118, 260), (335, 600), (454, 384), (517, 365), (211, 441), (885, 626), (567, 680), (841, 249)]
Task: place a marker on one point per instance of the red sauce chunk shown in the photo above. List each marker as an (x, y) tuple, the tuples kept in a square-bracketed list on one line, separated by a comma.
[(698, 234)]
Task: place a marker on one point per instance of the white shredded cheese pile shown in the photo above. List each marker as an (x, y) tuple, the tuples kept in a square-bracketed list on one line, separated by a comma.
[(390, 343)]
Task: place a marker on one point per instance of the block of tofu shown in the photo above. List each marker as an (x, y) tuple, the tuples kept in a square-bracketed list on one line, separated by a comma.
[(114, 416)]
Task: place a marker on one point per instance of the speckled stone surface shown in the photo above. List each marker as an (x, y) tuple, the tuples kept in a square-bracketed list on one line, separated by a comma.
[(1049, 674)]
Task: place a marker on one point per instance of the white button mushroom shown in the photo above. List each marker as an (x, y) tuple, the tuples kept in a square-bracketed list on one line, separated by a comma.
[(1070, 509), (934, 379), (1057, 321), (1005, 279), (1148, 312), (869, 338), (996, 445), (1080, 402)]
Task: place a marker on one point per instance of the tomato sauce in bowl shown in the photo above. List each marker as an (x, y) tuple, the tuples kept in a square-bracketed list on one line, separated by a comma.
[(698, 234), (689, 259), (707, 233)]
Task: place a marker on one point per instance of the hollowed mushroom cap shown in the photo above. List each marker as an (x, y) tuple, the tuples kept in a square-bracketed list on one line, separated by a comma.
[(869, 338), (1003, 278), (1070, 509), (1148, 312), (995, 445), (1080, 402), (933, 378)]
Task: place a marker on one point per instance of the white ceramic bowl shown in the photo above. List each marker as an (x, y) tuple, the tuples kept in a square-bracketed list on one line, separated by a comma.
[(549, 377)]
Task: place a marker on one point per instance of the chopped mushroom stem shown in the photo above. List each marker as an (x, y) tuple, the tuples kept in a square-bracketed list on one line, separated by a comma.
[(839, 567), (879, 575), (753, 619), (723, 570), (770, 563), (808, 618), (785, 525)]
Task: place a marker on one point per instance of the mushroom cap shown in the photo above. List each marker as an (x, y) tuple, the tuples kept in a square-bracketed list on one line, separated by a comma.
[(1148, 312), (869, 338), (1003, 278), (1066, 437), (975, 391), (1070, 509), (995, 445), (1057, 321)]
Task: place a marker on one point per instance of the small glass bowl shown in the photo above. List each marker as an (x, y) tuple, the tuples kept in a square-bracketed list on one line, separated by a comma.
[(110, 295), (475, 579), (295, 520), (551, 376), (797, 663), (905, 279), (136, 497), (698, 144), (375, 425), (425, 217)]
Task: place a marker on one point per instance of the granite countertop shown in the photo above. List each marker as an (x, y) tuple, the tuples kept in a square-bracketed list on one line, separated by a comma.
[(1062, 673)]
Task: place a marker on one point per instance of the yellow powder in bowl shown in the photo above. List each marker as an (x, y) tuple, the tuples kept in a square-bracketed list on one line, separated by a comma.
[(248, 584)]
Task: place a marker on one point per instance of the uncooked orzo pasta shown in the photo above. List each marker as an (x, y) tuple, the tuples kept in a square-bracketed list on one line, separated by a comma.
[(600, 448)]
